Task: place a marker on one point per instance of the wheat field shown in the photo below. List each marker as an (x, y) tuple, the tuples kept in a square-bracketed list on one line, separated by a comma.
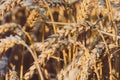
[(59, 39)]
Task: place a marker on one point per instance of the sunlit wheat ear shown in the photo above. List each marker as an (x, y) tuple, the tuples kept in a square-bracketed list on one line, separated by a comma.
[(47, 49), (13, 74), (13, 27), (30, 73), (79, 67), (45, 54), (33, 18), (9, 42), (6, 6)]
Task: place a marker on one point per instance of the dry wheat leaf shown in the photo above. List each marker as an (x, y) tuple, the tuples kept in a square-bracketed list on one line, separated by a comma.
[(68, 27), (61, 31), (73, 30), (67, 32), (54, 35), (112, 46)]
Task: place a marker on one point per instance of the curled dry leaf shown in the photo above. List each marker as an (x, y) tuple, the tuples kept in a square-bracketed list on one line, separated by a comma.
[(68, 27), (61, 31)]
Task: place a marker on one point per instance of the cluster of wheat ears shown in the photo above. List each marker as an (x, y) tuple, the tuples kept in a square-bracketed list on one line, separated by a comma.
[(59, 39)]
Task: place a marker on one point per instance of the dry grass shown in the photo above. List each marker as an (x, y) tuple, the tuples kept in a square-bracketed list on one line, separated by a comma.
[(59, 40)]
